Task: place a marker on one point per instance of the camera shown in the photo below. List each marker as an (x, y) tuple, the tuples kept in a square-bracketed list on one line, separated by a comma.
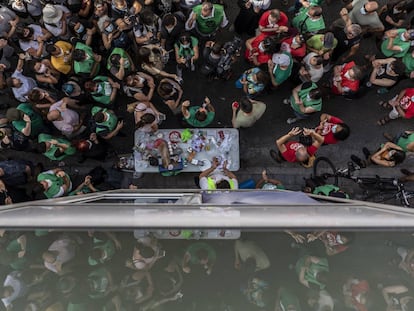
[(231, 50)]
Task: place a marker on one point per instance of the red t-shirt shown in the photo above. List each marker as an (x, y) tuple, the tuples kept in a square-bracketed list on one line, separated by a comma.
[(347, 85), (262, 57), (297, 53), (291, 147), (407, 103), (327, 130), (264, 22)]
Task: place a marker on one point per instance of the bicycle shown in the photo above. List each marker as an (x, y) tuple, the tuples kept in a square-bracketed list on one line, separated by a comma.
[(384, 189)]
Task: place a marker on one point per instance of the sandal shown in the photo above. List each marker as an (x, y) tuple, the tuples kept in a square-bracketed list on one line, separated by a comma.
[(384, 104), (383, 121)]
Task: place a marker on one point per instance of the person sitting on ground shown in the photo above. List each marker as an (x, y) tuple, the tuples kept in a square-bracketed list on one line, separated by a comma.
[(260, 49), (61, 56), (402, 105), (19, 83), (54, 148), (306, 99), (146, 116), (199, 253), (107, 123), (53, 183), (247, 112), (312, 271), (212, 179), (295, 151), (197, 116), (397, 42), (389, 155), (273, 22), (102, 89), (295, 45), (332, 129), (140, 86), (280, 68), (66, 120), (309, 20), (266, 183), (85, 61), (253, 82), (364, 13), (386, 73), (346, 79), (249, 256)]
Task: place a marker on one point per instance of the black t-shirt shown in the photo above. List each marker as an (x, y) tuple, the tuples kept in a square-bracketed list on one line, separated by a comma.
[(344, 44)]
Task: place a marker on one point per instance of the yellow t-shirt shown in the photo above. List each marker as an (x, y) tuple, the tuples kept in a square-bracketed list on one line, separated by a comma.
[(63, 62)]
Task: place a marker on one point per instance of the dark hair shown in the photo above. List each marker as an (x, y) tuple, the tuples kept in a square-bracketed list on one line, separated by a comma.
[(223, 184), (358, 73), (315, 94), (343, 133), (144, 55), (165, 88), (217, 47), (96, 253), (185, 36), (146, 118), (146, 251), (34, 95), (38, 188), (322, 277), (40, 147), (201, 254), (250, 265), (271, 44), (73, 21), (115, 60), (200, 115), (20, 32), (99, 117), (317, 11), (50, 48), (319, 59), (9, 81), (398, 67), (246, 105), (398, 157), (168, 20), (89, 85), (78, 55), (147, 16), (262, 77)]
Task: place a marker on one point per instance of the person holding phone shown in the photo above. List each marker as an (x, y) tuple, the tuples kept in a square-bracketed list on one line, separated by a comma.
[(197, 116)]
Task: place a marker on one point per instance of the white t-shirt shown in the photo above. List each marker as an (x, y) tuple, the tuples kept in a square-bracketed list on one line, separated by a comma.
[(249, 249), (66, 251), (19, 288), (315, 73), (70, 118), (56, 29), (27, 85)]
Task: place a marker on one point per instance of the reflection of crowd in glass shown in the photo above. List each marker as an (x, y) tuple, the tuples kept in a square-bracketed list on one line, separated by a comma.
[(321, 270), (67, 64)]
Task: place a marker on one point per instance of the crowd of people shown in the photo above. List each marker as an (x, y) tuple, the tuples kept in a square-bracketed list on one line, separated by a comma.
[(121, 271)]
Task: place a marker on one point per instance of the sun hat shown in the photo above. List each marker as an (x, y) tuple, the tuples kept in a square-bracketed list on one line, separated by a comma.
[(52, 14), (281, 59)]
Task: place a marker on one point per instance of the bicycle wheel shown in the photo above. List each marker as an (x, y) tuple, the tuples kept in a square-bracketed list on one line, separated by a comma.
[(324, 168)]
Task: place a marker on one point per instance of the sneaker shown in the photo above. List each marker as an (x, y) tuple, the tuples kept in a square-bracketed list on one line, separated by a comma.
[(291, 120), (286, 101), (358, 161), (275, 156), (366, 153)]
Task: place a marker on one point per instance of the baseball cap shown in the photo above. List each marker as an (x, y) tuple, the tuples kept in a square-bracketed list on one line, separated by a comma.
[(281, 59)]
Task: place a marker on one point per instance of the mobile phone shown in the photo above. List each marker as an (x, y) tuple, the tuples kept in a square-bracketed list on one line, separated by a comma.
[(235, 105)]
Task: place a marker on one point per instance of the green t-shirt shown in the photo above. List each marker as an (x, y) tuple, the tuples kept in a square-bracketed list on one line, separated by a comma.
[(313, 270), (280, 74), (404, 45), (55, 182), (99, 283), (36, 124), (108, 247), (304, 23), (287, 298), (195, 247), (50, 153), (85, 66), (408, 61), (109, 124), (404, 142), (307, 102), (186, 51), (210, 24), (103, 94), (123, 54), (192, 120), (316, 42)]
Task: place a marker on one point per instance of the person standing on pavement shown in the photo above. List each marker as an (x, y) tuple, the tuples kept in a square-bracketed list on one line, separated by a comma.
[(364, 13), (212, 179), (197, 116), (295, 151), (247, 113)]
